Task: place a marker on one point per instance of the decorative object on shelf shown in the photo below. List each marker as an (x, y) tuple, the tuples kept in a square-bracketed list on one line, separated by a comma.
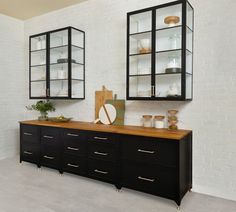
[(119, 104), (172, 120), (39, 44), (61, 74), (173, 66), (159, 122), (145, 46), (174, 41), (59, 119), (65, 60), (146, 93), (147, 120), (43, 107), (173, 90), (172, 21), (100, 99)]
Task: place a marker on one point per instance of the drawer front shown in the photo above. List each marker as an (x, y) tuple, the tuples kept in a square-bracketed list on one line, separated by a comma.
[(30, 134), (101, 170), (50, 136), (155, 180), (30, 153), (100, 151), (142, 149), (50, 158), (74, 142), (74, 164), (101, 137)]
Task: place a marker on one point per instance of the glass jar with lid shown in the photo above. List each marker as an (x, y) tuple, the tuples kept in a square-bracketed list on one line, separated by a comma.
[(159, 122), (147, 120)]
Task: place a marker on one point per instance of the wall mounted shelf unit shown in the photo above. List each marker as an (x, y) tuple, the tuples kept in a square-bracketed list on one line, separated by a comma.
[(160, 52), (57, 64)]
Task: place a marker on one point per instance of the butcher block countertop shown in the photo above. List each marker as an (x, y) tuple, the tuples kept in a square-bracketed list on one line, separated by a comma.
[(127, 130)]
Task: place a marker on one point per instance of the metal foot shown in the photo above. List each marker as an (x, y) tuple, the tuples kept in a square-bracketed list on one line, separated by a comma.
[(178, 208)]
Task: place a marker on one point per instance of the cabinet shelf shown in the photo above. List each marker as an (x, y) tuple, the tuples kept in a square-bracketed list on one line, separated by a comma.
[(51, 78)]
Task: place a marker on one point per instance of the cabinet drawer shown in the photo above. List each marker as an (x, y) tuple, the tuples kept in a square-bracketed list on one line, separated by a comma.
[(30, 134), (30, 153), (50, 158), (74, 142), (102, 170), (101, 137), (50, 136), (144, 149), (155, 180), (74, 164), (97, 150)]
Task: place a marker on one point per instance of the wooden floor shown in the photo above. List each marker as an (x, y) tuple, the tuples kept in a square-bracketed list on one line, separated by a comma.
[(25, 188)]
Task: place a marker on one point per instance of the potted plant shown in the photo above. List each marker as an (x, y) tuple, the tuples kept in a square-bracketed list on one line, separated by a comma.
[(43, 107)]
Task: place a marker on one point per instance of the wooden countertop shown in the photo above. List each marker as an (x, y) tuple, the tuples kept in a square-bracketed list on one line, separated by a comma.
[(128, 130)]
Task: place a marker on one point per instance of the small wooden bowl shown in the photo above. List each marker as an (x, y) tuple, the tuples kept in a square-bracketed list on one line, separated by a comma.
[(173, 112), (144, 50), (172, 20)]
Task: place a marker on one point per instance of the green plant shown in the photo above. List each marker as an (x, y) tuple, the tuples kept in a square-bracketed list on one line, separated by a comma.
[(43, 107)]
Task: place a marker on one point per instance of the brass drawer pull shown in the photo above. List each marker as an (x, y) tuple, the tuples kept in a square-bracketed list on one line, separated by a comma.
[(71, 134), (28, 134), (74, 149), (47, 136), (100, 138), (28, 153), (146, 179), (100, 172), (47, 157), (146, 151), (72, 165), (101, 153)]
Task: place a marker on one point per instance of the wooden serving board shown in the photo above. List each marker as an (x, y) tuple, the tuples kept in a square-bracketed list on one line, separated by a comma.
[(119, 104), (100, 99)]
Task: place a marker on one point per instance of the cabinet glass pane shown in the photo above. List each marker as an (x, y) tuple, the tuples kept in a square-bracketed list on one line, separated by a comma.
[(168, 85), (169, 16), (140, 64), (141, 22), (140, 43), (189, 40), (38, 89), (140, 86), (77, 55), (38, 43), (77, 38), (189, 62), (168, 62), (59, 38), (77, 88), (189, 86), (38, 73), (189, 16), (38, 58), (58, 88)]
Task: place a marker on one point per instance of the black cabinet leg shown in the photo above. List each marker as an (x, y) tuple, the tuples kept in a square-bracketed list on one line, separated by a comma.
[(178, 202), (118, 186)]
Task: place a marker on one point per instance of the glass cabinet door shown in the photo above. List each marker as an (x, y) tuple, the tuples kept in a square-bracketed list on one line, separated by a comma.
[(140, 55), (77, 63), (168, 73), (38, 57), (59, 63)]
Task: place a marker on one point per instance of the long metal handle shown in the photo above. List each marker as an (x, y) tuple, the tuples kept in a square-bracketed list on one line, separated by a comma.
[(101, 153), (47, 136), (72, 165), (100, 172), (72, 148), (73, 135), (146, 151), (47, 92), (47, 157), (153, 90), (100, 138), (28, 153), (146, 179), (28, 134)]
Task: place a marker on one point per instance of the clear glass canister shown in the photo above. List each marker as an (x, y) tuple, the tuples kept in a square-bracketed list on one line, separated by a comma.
[(159, 122), (147, 120)]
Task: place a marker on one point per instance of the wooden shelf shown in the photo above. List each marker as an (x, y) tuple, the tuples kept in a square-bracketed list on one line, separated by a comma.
[(128, 130)]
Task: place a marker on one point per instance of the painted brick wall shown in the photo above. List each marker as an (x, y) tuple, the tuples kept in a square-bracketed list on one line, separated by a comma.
[(12, 83), (211, 115)]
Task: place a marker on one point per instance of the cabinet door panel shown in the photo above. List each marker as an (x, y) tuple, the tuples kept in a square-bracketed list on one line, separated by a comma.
[(30, 134), (50, 136), (74, 164), (30, 153)]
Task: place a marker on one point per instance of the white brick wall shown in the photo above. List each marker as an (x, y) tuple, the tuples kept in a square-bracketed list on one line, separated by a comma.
[(12, 80), (212, 113)]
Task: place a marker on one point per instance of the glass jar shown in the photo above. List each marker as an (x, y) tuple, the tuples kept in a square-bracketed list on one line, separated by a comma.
[(159, 122), (174, 41), (147, 120)]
